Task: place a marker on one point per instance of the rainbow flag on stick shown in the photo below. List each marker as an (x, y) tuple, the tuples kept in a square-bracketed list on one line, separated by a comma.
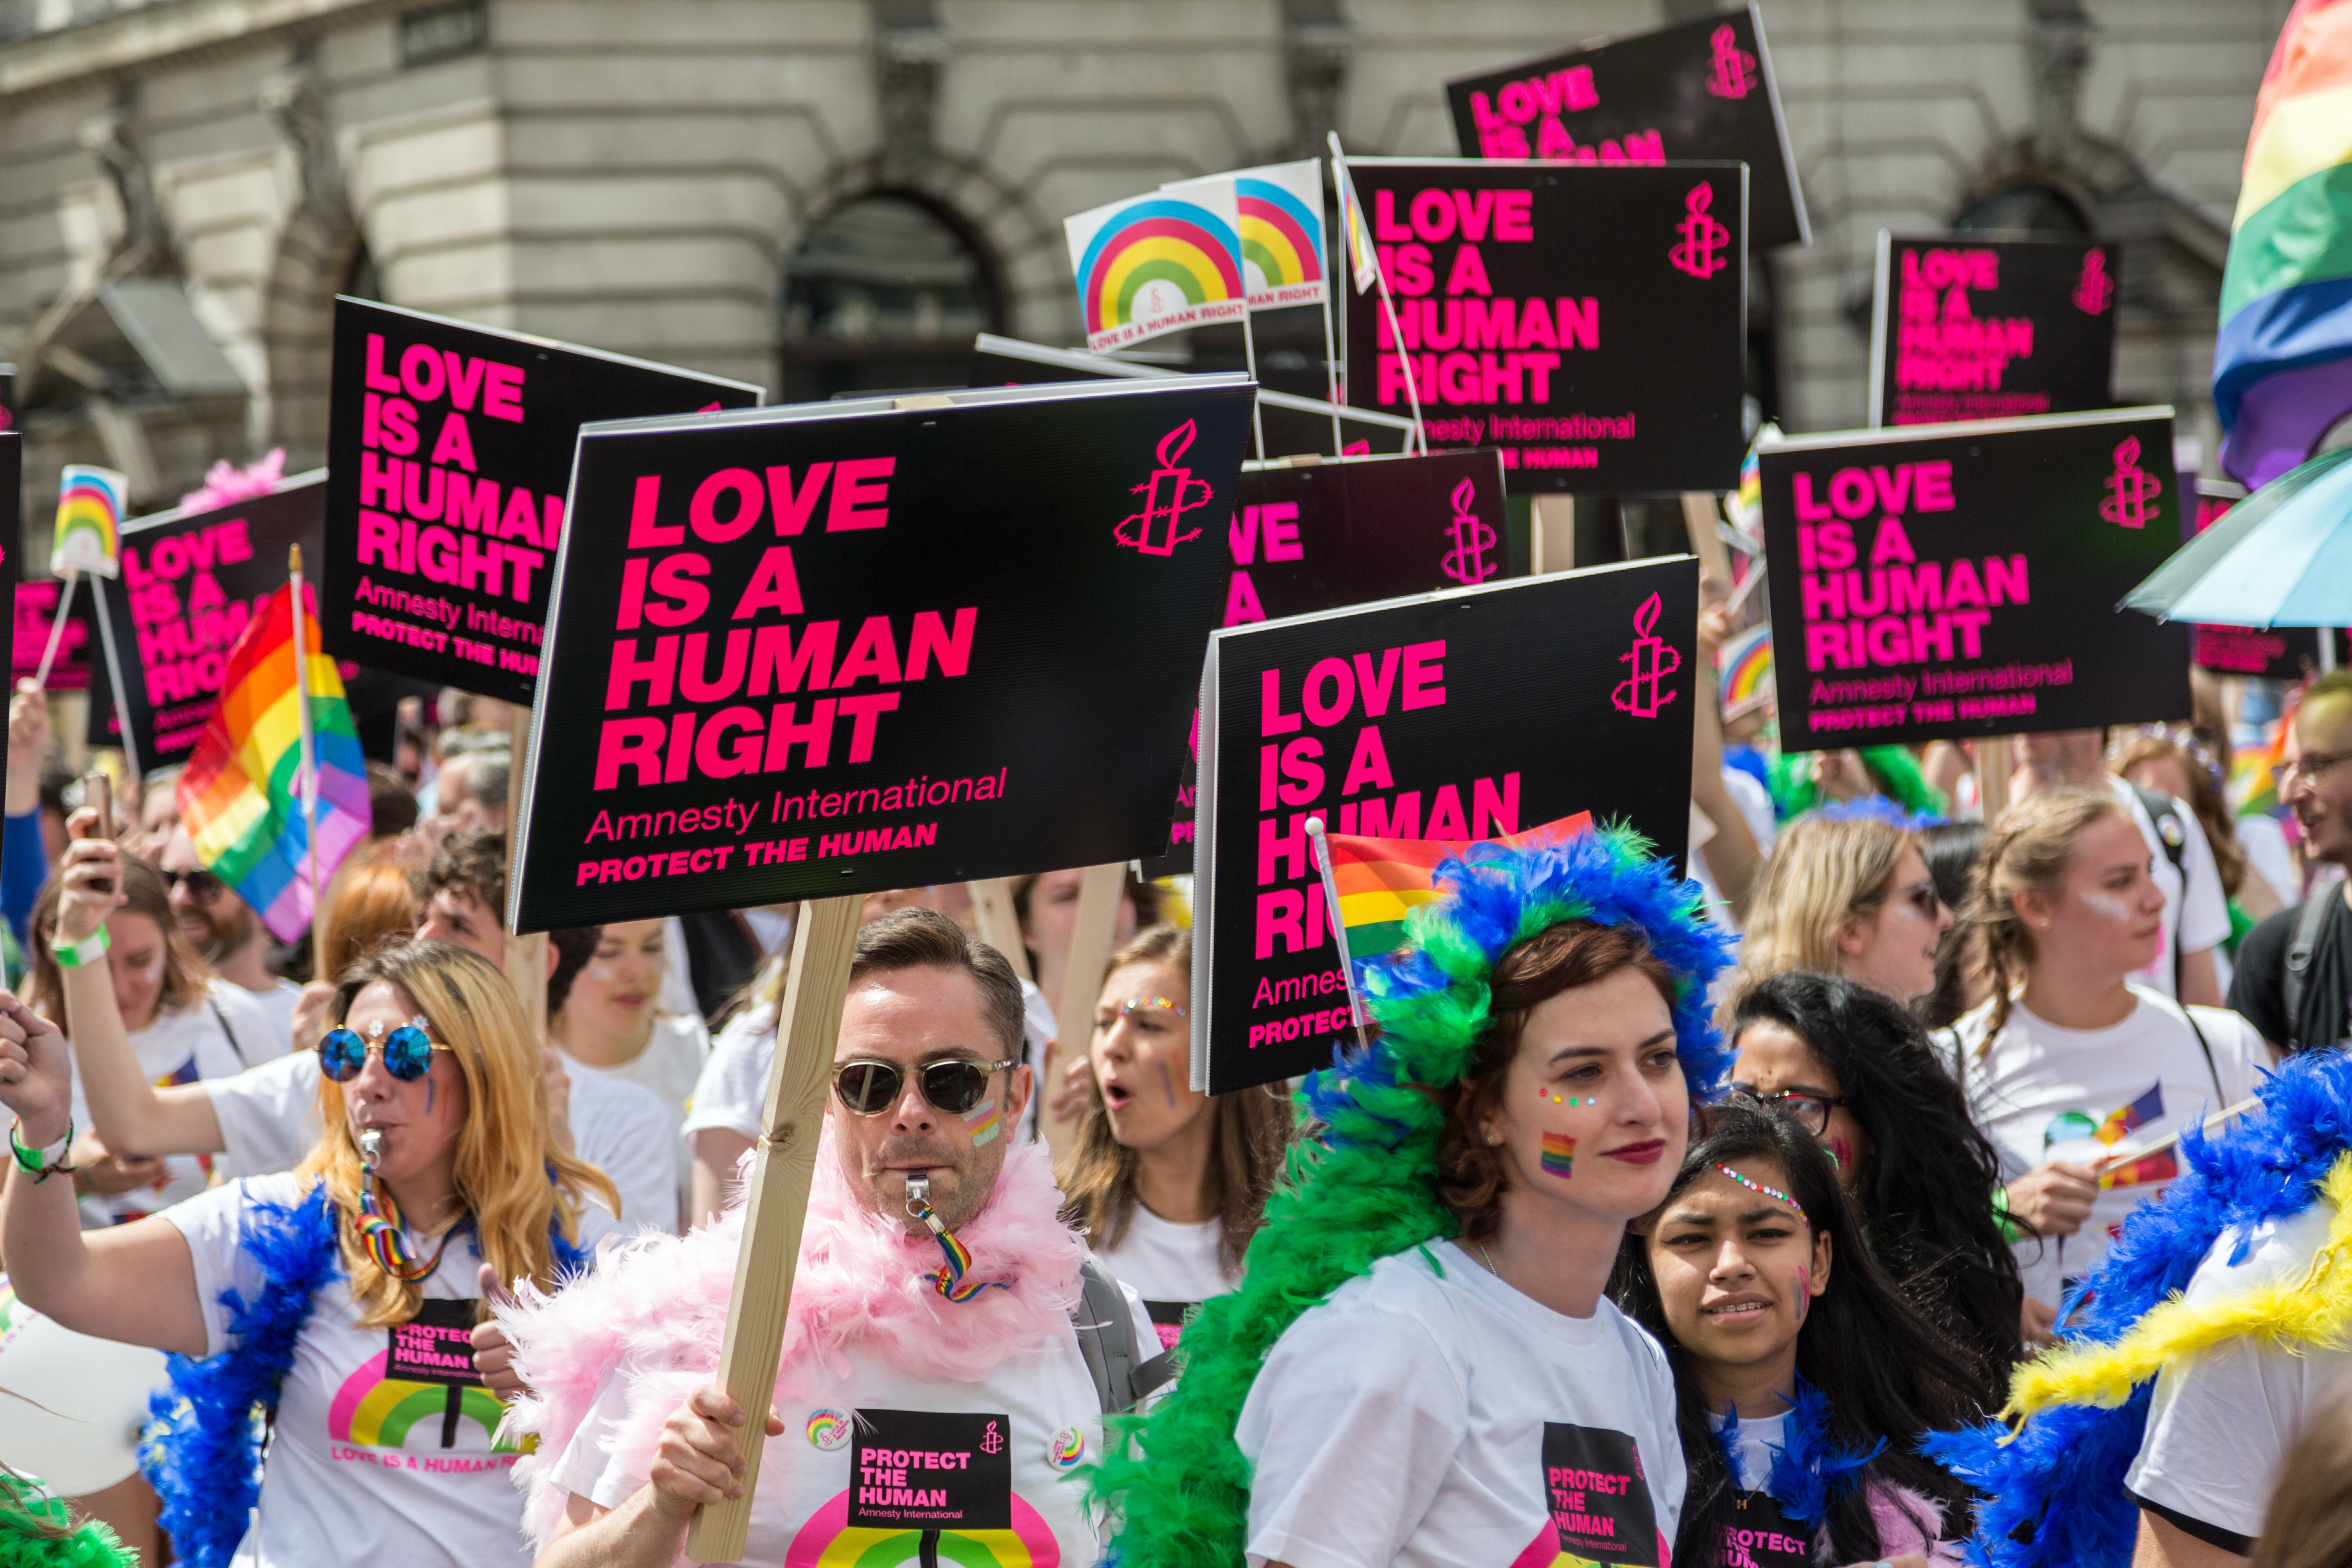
[(241, 797), (1376, 880), (1158, 264)]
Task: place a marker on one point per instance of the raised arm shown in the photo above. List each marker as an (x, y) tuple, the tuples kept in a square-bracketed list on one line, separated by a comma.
[(133, 1116), (135, 1283)]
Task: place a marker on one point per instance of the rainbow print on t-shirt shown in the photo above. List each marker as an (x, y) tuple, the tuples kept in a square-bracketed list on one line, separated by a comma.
[(377, 1411), (829, 1541)]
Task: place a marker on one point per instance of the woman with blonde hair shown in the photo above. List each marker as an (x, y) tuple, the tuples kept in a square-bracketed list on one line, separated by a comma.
[(1169, 1183), (2070, 1066), (185, 1022), (339, 1297), (1846, 892)]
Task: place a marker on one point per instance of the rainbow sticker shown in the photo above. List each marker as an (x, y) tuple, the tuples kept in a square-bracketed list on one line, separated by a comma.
[(378, 1412), (1067, 1448), (1744, 667), (1281, 214), (1158, 264), (828, 1429), (829, 1541), (1559, 1154), (90, 504)]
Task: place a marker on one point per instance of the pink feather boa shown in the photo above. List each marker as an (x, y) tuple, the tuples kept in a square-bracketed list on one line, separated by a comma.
[(655, 1312), (1897, 1510)]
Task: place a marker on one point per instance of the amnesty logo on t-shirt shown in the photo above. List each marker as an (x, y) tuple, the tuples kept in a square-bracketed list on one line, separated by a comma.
[(1600, 1502)]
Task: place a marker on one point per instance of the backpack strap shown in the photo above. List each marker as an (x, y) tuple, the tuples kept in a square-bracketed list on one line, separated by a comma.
[(226, 1033), (1105, 1329), (2310, 919), (2173, 834)]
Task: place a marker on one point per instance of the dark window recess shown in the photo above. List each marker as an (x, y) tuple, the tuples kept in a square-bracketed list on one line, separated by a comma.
[(884, 295), (443, 32)]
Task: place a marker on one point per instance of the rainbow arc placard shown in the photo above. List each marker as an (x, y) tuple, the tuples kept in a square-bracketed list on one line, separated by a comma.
[(1157, 264), (1279, 214), (90, 505)]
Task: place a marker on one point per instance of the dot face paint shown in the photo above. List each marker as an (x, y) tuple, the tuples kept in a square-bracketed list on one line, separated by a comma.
[(1559, 1098), (1559, 1157), (982, 1123)]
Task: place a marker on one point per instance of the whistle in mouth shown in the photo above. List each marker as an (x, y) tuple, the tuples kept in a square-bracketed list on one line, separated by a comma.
[(371, 1147)]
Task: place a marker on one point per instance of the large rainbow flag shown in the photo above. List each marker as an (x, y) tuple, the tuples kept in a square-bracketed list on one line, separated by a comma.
[(1379, 879), (240, 796), (1158, 263), (2283, 363)]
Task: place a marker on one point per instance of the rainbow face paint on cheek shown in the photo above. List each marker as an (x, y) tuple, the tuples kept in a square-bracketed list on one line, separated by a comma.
[(982, 1123), (1842, 1150), (1558, 1156)]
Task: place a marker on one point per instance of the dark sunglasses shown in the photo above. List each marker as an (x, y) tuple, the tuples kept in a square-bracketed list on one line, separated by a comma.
[(1920, 896), (954, 1086), (407, 1053), (203, 887), (1809, 1110)]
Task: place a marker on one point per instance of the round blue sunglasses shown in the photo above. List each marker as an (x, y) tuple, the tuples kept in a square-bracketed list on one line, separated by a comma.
[(407, 1053)]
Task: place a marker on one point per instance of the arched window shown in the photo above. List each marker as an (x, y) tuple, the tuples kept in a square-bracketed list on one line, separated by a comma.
[(884, 295), (2028, 208)]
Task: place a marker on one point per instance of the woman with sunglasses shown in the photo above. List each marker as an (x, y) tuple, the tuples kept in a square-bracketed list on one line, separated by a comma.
[(339, 1296), (1167, 1183), (1803, 1381), (185, 1022), (1846, 892), (1857, 1074), (2080, 1074)]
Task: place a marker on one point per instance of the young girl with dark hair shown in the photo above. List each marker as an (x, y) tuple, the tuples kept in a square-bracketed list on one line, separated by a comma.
[(1855, 1071), (1803, 1380)]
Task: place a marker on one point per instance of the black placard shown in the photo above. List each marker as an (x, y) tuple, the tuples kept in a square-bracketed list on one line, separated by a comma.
[(1001, 599), (435, 1346), (12, 533), (1328, 535), (1966, 326), (1962, 579), (1699, 90), (931, 1470), (37, 604), (1598, 1497), (448, 448), (1590, 322), (1454, 716)]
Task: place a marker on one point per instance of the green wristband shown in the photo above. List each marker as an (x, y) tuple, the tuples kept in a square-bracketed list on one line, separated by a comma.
[(79, 954)]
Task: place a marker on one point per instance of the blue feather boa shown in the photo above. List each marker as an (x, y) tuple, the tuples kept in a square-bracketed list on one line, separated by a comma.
[(201, 1452), (2055, 1496), (1809, 1469)]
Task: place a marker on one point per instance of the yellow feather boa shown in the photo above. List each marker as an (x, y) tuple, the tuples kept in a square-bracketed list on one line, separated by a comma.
[(2315, 1310)]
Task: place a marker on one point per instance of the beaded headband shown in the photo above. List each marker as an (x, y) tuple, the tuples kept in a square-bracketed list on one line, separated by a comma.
[(1774, 1192)]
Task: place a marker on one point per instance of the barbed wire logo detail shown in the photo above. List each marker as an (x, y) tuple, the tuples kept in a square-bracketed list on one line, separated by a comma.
[(1703, 239), (1168, 495), (991, 1441), (1466, 562), (2094, 291), (1731, 73), (1643, 693), (2131, 488)]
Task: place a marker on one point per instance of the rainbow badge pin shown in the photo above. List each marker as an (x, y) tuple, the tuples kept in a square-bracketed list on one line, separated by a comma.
[(1158, 264), (1558, 1155), (90, 504), (829, 1428), (1066, 1449)]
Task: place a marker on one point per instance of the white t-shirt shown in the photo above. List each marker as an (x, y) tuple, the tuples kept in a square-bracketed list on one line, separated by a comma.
[(1753, 1446), (2205, 921), (2223, 1418), (2264, 841), (1414, 1419), (278, 1006), (268, 1119), (363, 1466), (1175, 1268), (2080, 1095), (669, 1068), (219, 1033), (839, 1481)]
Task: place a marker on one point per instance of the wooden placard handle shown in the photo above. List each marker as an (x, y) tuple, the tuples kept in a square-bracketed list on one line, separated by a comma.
[(1993, 777), (1699, 516), (825, 939), (1551, 533), (1082, 976), (1000, 925), (526, 956)]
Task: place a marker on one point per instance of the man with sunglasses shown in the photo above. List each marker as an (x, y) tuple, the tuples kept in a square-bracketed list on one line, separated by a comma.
[(952, 1348), (2293, 979), (224, 929)]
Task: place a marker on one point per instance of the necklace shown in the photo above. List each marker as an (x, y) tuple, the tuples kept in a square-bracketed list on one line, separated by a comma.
[(1487, 1258)]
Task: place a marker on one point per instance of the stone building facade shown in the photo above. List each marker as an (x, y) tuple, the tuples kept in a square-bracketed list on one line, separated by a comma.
[(820, 193)]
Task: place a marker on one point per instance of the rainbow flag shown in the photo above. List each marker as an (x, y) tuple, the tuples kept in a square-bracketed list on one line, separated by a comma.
[(2282, 360), (240, 796), (1158, 264), (1361, 252), (1379, 879), (1281, 210), (1744, 672), (2120, 1124), (89, 534), (2253, 789)]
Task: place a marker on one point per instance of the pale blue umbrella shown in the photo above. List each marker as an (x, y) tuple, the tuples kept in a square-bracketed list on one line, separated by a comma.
[(2281, 557)]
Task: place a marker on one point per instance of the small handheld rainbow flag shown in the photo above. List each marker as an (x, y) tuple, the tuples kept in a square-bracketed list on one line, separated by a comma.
[(1744, 667), (90, 504), (1376, 880), (241, 797), (1158, 264)]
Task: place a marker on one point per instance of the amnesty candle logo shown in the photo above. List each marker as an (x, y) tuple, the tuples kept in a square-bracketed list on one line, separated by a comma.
[(1167, 495)]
